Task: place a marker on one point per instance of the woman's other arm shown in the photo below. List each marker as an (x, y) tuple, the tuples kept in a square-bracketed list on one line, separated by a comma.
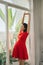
[(28, 25)]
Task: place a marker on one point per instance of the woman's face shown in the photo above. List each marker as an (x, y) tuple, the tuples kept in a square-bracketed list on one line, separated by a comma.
[(22, 27)]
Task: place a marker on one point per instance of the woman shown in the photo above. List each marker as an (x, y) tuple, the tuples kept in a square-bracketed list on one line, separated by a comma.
[(20, 50)]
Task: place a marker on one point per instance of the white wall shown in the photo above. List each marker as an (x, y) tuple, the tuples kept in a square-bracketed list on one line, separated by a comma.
[(37, 20), (32, 36), (41, 34)]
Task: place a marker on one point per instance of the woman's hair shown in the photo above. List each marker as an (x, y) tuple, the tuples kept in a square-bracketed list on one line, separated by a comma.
[(25, 27)]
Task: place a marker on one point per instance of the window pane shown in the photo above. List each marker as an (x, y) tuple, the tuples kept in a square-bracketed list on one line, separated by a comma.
[(2, 34), (14, 17)]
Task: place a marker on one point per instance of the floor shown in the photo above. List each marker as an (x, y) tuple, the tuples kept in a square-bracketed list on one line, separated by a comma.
[(16, 63)]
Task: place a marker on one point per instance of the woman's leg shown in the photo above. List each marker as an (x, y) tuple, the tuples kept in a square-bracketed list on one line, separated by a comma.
[(21, 62)]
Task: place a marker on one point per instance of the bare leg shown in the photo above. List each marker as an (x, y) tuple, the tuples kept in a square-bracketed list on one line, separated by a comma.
[(21, 62)]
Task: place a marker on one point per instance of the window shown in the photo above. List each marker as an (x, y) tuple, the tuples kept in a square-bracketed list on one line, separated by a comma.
[(2, 33), (14, 17)]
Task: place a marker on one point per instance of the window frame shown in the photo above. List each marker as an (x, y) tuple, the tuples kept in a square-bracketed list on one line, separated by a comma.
[(7, 4)]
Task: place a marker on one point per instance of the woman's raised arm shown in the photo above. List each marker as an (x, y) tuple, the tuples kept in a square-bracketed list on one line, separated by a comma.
[(28, 25)]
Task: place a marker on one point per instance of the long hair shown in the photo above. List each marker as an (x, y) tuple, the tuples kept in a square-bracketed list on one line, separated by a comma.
[(25, 27)]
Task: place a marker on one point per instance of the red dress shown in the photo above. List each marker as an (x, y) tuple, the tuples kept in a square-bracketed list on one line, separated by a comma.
[(20, 50)]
